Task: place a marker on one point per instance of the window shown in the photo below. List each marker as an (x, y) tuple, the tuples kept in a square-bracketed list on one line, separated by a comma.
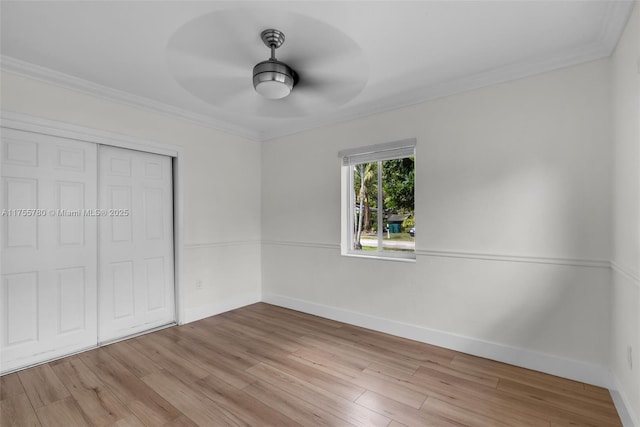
[(378, 200)]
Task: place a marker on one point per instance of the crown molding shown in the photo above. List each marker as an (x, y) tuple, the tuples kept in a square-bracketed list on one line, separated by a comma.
[(614, 23), (47, 75)]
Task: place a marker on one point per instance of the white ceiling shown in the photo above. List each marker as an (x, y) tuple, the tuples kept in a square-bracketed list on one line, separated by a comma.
[(195, 59)]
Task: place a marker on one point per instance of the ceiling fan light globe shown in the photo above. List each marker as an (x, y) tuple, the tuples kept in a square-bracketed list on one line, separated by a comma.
[(273, 89)]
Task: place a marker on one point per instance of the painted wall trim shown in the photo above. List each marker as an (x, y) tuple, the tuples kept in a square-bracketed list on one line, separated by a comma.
[(568, 368), (623, 405), (574, 262), (614, 22), (25, 122), (47, 75), (626, 272), (220, 244), (207, 310), (316, 245)]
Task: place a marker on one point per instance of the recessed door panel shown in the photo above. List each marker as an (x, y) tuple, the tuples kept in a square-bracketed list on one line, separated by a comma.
[(71, 299), (123, 289), (153, 169), (70, 159), (121, 225), (156, 287), (21, 307), (20, 152), (153, 213), (119, 165), (70, 214), (21, 196)]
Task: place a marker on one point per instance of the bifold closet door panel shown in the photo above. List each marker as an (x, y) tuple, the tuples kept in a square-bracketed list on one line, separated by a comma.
[(49, 248), (136, 282)]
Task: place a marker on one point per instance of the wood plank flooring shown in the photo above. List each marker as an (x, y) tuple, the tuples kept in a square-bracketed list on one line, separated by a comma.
[(263, 365)]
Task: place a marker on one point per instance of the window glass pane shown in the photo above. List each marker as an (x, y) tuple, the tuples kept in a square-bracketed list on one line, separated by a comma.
[(399, 205), (383, 215), (365, 209)]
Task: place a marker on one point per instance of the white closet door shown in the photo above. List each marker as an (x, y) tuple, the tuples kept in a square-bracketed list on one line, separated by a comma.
[(48, 286), (136, 282)]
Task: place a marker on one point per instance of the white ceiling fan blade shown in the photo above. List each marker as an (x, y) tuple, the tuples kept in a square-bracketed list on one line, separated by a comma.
[(233, 41), (324, 59), (334, 90), (297, 105), (187, 64), (217, 91), (274, 108)]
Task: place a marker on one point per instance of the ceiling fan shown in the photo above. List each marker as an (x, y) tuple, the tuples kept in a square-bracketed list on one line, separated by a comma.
[(273, 79), (319, 69)]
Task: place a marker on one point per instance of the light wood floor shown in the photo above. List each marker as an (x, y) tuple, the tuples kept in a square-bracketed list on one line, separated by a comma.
[(266, 366)]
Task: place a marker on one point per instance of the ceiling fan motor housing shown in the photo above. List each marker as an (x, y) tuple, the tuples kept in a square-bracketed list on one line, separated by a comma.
[(274, 79)]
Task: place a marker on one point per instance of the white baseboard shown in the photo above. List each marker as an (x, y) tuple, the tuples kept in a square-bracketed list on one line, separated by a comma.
[(200, 312), (567, 368), (623, 405)]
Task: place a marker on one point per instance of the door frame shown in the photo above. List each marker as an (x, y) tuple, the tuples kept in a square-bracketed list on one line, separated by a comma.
[(30, 123)]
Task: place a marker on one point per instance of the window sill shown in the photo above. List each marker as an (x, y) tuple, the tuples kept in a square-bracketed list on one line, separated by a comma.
[(379, 257)]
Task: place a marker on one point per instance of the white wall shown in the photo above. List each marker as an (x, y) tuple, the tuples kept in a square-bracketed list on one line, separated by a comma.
[(512, 212), (625, 308), (221, 188)]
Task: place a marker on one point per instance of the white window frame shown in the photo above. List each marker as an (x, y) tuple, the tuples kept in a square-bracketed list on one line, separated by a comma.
[(368, 154)]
